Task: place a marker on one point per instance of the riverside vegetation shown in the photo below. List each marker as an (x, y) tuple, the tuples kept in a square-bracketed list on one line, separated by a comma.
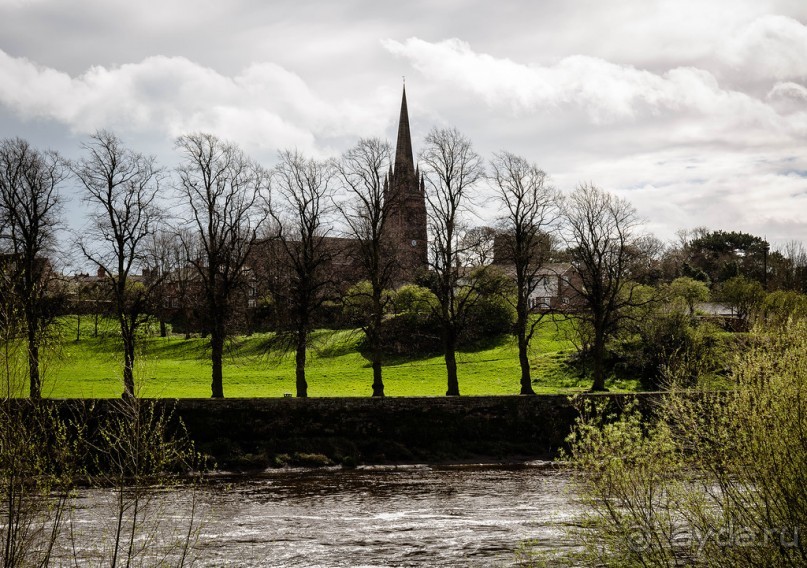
[(132, 449), (712, 480)]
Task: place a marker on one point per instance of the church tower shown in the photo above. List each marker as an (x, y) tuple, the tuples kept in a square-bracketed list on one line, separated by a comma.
[(407, 198)]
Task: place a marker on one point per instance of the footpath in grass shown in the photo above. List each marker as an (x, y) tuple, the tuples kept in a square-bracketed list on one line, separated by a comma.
[(174, 367)]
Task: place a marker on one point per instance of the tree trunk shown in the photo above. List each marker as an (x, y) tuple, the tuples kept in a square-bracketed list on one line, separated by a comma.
[(128, 364), (599, 363), (216, 355), (374, 335), (524, 362), (163, 330), (378, 383), (451, 370), (186, 321), (450, 346), (33, 362), (78, 327), (299, 359)]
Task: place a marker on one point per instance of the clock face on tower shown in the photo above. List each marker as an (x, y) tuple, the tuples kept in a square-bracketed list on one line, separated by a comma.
[(413, 242)]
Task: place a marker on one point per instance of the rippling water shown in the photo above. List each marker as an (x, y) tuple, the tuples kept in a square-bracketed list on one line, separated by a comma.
[(401, 516)]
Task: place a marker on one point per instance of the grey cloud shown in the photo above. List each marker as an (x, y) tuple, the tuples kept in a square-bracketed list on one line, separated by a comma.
[(687, 107)]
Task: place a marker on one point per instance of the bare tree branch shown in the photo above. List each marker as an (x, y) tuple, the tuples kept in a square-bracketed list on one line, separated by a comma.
[(362, 171), (602, 236), (301, 245)]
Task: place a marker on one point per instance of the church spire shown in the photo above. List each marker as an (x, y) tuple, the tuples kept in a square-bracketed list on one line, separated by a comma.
[(407, 207), (404, 163)]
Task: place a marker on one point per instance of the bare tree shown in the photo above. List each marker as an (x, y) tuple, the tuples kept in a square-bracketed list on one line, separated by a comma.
[(179, 283), (531, 212), (163, 261), (138, 448), (451, 168), (301, 242), (223, 190), (122, 187), (478, 246), (362, 171), (29, 216), (603, 240), (795, 273)]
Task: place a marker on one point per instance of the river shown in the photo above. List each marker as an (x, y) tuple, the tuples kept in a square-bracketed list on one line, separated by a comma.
[(469, 515)]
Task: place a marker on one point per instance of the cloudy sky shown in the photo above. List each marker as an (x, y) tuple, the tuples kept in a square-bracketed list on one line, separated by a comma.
[(696, 111)]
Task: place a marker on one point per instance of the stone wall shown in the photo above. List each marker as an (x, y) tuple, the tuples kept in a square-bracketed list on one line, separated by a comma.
[(264, 432), (273, 431)]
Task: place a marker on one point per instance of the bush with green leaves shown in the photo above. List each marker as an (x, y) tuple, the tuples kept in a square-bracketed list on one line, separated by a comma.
[(357, 303), (783, 306), (39, 469), (711, 479), (743, 295), (689, 292), (415, 300), (669, 349), (138, 447), (489, 316), (412, 327), (662, 341)]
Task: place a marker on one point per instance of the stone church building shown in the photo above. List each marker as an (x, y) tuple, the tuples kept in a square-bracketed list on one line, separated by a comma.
[(407, 197), (406, 230)]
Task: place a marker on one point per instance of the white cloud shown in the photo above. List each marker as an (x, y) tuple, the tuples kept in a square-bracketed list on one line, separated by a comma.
[(790, 98), (684, 148), (788, 90), (605, 91), (693, 110), (264, 106), (769, 47)]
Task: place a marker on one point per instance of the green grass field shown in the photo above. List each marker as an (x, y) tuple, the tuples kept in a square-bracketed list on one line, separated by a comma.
[(176, 367)]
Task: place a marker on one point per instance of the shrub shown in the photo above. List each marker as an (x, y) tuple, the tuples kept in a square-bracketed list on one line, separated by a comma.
[(410, 334), (415, 300), (488, 317), (670, 347), (743, 295), (662, 341), (782, 306), (713, 480)]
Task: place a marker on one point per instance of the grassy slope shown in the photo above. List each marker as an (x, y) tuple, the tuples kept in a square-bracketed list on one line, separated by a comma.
[(175, 367)]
